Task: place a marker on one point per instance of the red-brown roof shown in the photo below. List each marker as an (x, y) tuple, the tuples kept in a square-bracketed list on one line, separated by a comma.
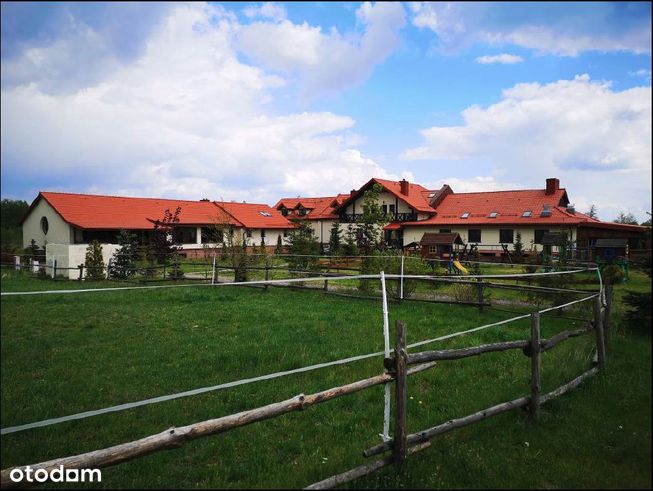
[(508, 205), (96, 212), (253, 215), (417, 197), (321, 208)]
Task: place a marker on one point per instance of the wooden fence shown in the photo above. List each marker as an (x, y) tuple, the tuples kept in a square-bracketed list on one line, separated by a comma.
[(397, 368)]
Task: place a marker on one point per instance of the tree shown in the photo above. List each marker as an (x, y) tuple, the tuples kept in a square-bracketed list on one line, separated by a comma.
[(303, 247), (124, 259), (592, 212), (518, 247), (279, 248), (94, 262), (334, 239), (349, 248), (626, 218), (11, 212), (372, 222), (163, 238)]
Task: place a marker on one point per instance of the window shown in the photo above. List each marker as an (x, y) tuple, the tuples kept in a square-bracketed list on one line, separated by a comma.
[(185, 235), (265, 213), (284, 211), (285, 232), (539, 234), (445, 230), (526, 214), (433, 249), (212, 235), (431, 195), (506, 236), (302, 211), (248, 233), (392, 209), (493, 214), (474, 235), (262, 233), (465, 215), (44, 225), (384, 209)]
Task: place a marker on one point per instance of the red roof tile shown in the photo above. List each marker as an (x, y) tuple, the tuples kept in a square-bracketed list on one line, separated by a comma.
[(115, 212), (253, 215), (320, 208)]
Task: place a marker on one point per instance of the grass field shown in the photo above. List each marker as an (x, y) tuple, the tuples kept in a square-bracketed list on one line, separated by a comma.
[(63, 354)]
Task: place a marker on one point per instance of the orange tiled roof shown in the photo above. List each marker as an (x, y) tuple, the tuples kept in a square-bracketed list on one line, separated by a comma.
[(97, 212), (320, 208), (253, 215)]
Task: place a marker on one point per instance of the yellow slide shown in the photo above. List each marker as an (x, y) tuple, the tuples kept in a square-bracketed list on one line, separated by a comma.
[(460, 267)]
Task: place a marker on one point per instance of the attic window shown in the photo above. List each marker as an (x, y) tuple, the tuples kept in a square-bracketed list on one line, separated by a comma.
[(431, 195), (44, 225), (494, 214), (465, 215), (526, 214), (265, 213)]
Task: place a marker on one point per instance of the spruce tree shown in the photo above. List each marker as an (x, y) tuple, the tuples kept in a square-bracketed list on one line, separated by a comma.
[(334, 239), (123, 263), (94, 262)]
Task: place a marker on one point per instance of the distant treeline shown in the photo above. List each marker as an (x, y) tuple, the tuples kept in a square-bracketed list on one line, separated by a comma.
[(12, 233)]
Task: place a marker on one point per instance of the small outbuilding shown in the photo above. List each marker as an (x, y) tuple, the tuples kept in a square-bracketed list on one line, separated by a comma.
[(440, 245), (610, 249)]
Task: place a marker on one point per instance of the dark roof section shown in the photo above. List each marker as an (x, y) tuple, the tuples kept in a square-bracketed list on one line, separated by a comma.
[(441, 239)]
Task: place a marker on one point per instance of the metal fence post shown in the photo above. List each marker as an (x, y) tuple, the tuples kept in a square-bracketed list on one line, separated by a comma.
[(401, 281), (17, 259), (480, 294)]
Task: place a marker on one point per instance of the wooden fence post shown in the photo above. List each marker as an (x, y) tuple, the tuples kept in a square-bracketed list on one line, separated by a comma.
[(536, 385), (267, 272), (81, 272), (401, 284), (401, 395), (607, 312), (598, 326), (480, 294), (54, 268)]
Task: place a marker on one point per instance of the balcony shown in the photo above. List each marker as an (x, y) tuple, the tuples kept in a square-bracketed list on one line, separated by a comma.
[(393, 217)]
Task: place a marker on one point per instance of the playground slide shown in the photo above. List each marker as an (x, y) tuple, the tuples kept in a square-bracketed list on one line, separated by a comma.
[(460, 267)]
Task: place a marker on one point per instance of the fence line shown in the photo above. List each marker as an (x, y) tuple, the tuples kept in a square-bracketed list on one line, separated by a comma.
[(176, 437)]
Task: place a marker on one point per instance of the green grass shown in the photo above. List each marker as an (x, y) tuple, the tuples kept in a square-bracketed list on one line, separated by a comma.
[(63, 354)]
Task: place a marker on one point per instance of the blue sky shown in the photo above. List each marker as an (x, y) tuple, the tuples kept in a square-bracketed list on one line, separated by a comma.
[(258, 101)]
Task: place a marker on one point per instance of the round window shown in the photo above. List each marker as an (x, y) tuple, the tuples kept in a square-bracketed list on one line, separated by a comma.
[(44, 225)]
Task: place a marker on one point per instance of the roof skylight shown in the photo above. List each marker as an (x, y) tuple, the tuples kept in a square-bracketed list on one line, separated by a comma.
[(265, 213), (465, 215), (493, 214), (526, 214)]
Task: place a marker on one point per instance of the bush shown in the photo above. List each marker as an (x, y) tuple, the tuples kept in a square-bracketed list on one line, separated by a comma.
[(390, 263), (638, 317)]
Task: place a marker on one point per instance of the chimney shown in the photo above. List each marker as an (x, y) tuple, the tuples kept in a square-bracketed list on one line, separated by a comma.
[(571, 209), (552, 185), (352, 191), (404, 187)]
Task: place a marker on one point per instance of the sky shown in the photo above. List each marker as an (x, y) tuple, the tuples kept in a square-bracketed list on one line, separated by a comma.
[(259, 101)]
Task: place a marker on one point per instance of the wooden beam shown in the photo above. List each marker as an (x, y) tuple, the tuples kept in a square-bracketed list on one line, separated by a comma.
[(177, 437), (401, 397), (535, 366), (454, 354)]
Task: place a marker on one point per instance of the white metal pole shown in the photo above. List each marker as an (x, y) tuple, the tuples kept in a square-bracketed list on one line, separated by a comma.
[(213, 271), (17, 263), (386, 337), (401, 282)]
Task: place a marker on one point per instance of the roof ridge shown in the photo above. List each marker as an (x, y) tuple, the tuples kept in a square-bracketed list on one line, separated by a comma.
[(504, 191), (124, 197)]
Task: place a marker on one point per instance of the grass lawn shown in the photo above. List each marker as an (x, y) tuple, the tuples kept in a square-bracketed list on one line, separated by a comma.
[(63, 354)]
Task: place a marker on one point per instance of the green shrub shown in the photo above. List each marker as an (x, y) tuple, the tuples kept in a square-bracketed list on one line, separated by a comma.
[(94, 262)]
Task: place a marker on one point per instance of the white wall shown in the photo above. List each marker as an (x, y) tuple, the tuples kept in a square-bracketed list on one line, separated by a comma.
[(71, 256), (59, 232), (385, 198)]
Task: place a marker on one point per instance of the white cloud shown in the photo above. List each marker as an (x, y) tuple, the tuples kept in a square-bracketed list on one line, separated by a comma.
[(268, 10), (186, 119), (326, 62), (595, 139), (504, 59), (542, 28)]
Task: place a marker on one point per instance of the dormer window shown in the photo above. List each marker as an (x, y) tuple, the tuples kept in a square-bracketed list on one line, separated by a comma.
[(526, 214), (302, 211), (465, 215), (493, 214)]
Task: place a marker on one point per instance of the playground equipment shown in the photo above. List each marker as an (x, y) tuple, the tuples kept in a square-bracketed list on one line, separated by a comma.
[(460, 267)]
